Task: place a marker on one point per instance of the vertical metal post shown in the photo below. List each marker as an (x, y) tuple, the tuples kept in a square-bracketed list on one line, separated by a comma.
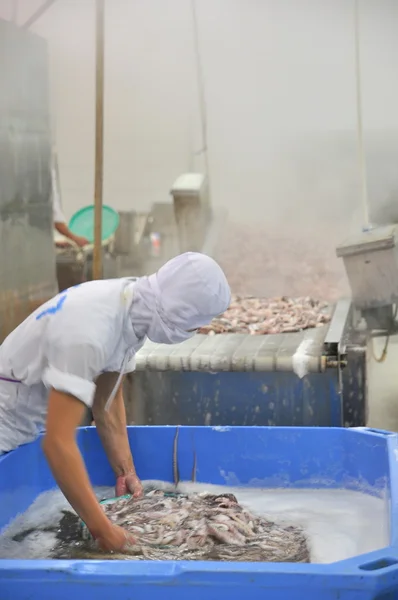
[(99, 137), (202, 96), (361, 144)]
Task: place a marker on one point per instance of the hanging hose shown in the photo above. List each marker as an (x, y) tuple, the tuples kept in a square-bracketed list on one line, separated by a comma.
[(201, 89), (383, 355)]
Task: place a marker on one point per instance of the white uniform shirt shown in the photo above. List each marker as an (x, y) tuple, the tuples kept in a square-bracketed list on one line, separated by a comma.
[(65, 344), (88, 329)]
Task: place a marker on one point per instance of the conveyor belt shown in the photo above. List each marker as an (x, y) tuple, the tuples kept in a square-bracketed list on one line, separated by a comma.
[(236, 352), (301, 352)]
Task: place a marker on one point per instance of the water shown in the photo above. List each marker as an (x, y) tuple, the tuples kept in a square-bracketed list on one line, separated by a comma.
[(339, 523)]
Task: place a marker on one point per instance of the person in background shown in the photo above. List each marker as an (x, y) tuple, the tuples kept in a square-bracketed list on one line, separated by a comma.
[(58, 215), (73, 352)]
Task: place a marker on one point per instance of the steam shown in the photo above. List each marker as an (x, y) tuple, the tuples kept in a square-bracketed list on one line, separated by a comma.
[(280, 95)]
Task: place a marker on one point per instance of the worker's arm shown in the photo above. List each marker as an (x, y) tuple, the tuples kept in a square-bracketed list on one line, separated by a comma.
[(59, 445), (58, 215), (63, 229), (75, 346), (111, 426)]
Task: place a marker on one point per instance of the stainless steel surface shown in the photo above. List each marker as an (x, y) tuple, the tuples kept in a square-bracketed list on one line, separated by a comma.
[(371, 263), (142, 259), (125, 233), (234, 352), (27, 266), (190, 210), (341, 319), (238, 379), (134, 261), (189, 224), (381, 320), (378, 238), (75, 265), (71, 267)]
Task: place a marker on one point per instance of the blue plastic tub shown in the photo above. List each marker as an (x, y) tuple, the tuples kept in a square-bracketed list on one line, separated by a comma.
[(355, 459)]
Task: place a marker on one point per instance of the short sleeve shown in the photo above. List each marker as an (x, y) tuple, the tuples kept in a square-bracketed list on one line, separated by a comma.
[(76, 340), (72, 369), (83, 326)]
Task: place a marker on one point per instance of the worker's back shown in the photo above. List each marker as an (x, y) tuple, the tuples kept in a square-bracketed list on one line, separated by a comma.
[(75, 317), (65, 344)]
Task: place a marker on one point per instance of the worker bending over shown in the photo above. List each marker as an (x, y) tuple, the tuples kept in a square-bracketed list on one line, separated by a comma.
[(72, 353)]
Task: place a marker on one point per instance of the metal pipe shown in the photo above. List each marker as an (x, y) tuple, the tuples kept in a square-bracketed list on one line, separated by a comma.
[(361, 146), (331, 363), (99, 137), (39, 12), (202, 96)]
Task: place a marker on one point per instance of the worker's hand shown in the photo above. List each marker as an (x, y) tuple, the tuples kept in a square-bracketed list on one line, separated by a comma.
[(80, 241), (129, 484), (115, 539)]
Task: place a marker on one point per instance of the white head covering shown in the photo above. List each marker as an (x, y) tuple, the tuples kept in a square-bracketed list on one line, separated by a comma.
[(168, 306), (185, 294)]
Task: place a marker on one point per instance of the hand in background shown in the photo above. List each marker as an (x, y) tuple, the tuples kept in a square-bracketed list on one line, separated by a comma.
[(80, 241)]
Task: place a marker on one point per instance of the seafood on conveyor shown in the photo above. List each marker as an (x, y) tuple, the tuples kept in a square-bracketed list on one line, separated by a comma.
[(257, 316), (197, 526)]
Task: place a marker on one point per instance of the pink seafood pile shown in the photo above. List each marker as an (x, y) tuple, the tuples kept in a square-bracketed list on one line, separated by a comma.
[(257, 316), (172, 526)]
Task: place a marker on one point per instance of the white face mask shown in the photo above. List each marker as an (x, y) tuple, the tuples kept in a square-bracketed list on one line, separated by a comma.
[(159, 333), (185, 294)]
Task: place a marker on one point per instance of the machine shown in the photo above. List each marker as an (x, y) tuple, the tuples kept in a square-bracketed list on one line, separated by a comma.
[(315, 377), (310, 378), (371, 263)]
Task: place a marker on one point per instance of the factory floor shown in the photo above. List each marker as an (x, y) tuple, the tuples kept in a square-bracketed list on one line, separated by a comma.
[(383, 385)]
